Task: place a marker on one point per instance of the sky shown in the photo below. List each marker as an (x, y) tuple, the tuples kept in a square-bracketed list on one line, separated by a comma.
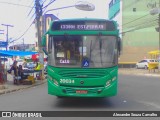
[(19, 16)]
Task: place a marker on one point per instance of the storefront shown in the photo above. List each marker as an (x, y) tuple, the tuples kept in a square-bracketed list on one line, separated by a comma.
[(4, 54)]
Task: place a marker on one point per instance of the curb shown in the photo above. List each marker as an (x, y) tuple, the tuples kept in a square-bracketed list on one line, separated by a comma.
[(14, 90), (139, 74)]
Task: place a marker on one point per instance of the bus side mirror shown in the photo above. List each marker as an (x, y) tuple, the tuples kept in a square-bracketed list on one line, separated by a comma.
[(119, 46), (44, 41), (44, 50), (44, 44)]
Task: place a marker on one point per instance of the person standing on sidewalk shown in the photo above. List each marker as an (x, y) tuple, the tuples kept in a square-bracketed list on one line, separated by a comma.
[(15, 69)]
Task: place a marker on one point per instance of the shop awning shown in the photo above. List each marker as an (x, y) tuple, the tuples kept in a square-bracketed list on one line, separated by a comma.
[(156, 52), (16, 53)]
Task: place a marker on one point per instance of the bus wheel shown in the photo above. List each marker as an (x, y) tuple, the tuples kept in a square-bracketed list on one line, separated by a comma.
[(59, 97)]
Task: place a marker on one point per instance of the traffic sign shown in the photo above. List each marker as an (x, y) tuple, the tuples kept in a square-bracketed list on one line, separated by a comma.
[(3, 44), (85, 63)]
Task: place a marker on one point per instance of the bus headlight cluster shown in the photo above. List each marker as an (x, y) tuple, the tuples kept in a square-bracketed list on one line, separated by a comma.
[(55, 82), (114, 78), (52, 79), (49, 77), (108, 83)]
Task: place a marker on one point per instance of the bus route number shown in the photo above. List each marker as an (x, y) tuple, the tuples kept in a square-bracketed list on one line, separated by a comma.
[(66, 81)]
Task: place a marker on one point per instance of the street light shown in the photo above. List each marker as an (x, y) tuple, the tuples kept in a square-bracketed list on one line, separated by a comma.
[(155, 11), (84, 5), (81, 5)]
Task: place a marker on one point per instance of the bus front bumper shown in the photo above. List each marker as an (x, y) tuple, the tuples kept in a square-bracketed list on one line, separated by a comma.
[(63, 91)]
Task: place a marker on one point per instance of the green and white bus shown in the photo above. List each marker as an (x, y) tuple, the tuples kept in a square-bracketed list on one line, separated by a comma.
[(83, 58)]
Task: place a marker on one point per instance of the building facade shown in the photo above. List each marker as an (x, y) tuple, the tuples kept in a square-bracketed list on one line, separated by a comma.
[(138, 29), (23, 47), (45, 23), (115, 13)]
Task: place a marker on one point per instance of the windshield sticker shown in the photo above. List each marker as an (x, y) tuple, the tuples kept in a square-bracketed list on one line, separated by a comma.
[(64, 61), (84, 51), (60, 54), (85, 63)]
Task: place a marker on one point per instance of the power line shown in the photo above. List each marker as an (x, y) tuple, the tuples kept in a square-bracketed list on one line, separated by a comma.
[(141, 27), (140, 23), (146, 22), (136, 29), (135, 19), (31, 9), (43, 2), (49, 3), (24, 32), (44, 8), (16, 4)]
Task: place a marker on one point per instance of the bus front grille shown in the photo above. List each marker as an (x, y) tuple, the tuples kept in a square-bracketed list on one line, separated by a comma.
[(82, 73)]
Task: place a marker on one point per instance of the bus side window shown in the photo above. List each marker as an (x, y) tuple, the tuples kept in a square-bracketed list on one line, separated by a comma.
[(119, 46)]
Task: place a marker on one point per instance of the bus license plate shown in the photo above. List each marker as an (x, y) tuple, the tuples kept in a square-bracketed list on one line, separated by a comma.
[(81, 91)]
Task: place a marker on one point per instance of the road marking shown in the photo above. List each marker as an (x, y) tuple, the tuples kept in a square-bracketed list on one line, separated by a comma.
[(150, 104)]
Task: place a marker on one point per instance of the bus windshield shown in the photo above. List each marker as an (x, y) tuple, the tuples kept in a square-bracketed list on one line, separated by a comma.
[(90, 51)]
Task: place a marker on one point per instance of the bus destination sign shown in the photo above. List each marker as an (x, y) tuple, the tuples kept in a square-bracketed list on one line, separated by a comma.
[(82, 27)]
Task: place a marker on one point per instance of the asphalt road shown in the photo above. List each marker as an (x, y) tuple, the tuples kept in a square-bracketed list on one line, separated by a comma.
[(136, 93)]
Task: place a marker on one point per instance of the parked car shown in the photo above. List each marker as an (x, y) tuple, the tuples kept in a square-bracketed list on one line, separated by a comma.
[(30, 65), (144, 63)]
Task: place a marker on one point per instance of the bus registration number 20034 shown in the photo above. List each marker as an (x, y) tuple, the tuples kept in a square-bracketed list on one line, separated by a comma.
[(66, 81)]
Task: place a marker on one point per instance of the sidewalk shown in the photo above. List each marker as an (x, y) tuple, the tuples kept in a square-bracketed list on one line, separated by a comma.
[(142, 72), (10, 87)]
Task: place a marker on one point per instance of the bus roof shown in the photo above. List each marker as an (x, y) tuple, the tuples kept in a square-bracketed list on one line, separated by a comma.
[(83, 19)]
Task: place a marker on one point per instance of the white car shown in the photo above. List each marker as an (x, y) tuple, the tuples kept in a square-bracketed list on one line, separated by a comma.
[(144, 63)]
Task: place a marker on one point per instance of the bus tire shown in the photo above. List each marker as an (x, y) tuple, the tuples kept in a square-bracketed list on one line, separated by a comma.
[(59, 97)]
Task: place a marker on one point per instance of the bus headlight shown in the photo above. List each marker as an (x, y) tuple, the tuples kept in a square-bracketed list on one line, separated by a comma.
[(55, 82), (49, 77), (114, 78), (52, 79), (108, 83)]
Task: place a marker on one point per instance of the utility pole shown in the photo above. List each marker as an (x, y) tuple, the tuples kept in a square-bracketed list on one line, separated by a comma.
[(38, 9), (7, 25), (23, 45), (159, 39)]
